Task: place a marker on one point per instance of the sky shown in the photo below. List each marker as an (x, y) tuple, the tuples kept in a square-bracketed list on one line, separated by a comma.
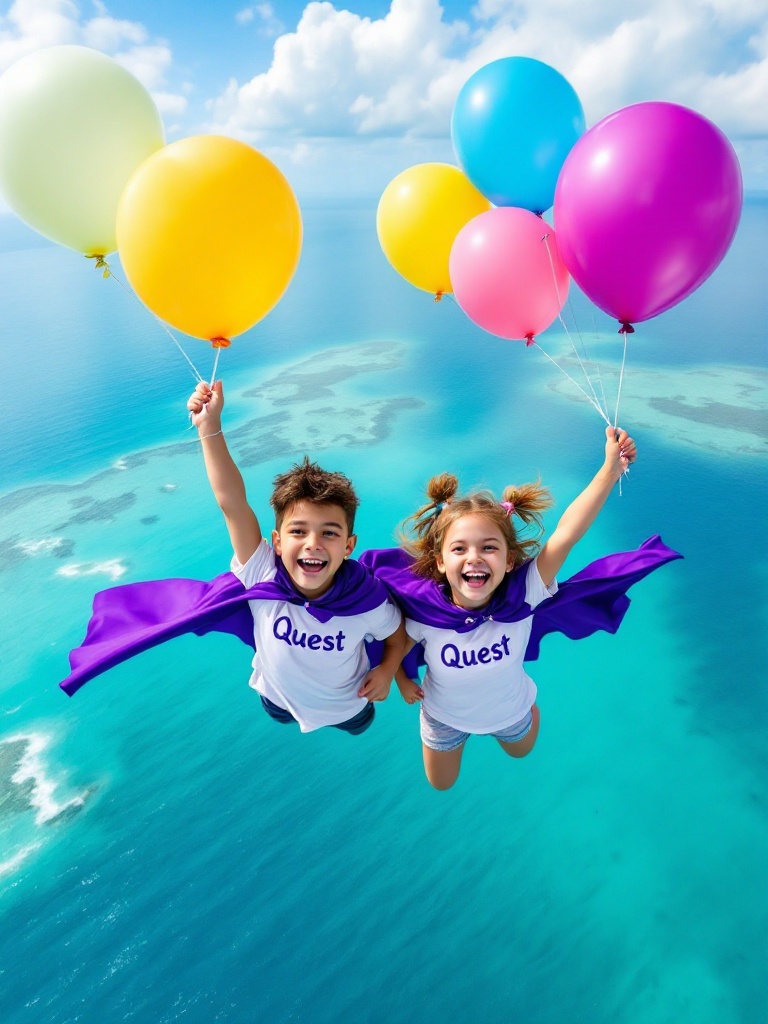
[(343, 98)]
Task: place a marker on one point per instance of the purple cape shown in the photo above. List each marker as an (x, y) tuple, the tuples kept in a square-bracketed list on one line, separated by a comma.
[(594, 599), (129, 619), (132, 618)]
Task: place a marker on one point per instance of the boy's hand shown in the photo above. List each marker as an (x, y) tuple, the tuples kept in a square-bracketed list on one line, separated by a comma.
[(620, 451), (205, 403), (376, 684), (410, 690)]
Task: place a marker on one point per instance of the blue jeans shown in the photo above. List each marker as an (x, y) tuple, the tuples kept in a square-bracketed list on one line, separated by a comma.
[(354, 726)]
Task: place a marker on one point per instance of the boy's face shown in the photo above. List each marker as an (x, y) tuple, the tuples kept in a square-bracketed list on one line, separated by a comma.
[(313, 541)]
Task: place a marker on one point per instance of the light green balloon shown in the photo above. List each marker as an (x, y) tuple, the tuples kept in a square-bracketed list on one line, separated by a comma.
[(74, 126)]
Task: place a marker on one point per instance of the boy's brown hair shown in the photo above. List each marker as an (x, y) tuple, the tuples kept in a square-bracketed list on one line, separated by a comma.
[(306, 481)]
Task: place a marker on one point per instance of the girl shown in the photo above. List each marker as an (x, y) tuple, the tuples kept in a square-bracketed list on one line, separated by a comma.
[(483, 582)]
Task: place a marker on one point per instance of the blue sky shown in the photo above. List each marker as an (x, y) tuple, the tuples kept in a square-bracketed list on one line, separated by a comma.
[(345, 97)]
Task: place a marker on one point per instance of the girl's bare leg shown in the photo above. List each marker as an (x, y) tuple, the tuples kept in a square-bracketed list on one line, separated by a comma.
[(525, 745), (442, 766)]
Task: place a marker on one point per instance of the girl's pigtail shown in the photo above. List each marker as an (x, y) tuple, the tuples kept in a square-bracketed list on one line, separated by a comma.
[(418, 533), (442, 488), (529, 501)]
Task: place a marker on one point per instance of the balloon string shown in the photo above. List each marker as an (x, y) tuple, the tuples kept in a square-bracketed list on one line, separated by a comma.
[(619, 396), (621, 380), (109, 272), (588, 397), (215, 365), (590, 362), (545, 240)]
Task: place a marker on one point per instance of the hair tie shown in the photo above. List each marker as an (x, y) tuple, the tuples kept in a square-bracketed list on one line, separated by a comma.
[(439, 506), (508, 506)]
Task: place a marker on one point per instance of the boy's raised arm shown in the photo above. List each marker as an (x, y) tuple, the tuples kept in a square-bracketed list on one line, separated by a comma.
[(225, 478)]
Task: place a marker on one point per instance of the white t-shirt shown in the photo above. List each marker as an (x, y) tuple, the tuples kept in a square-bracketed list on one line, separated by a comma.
[(312, 669), (475, 681)]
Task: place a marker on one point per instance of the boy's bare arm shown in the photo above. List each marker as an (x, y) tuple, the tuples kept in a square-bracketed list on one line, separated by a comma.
[(224, 477), (378, 681)]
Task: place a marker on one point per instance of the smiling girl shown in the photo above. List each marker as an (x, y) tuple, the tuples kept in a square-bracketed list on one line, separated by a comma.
[(467, 548)]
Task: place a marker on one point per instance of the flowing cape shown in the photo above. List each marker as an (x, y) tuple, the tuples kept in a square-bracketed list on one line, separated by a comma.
[(135, 617), (594, 599), (129, 619)]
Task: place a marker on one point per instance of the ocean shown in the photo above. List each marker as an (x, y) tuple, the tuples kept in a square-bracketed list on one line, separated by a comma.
[(168, 853)]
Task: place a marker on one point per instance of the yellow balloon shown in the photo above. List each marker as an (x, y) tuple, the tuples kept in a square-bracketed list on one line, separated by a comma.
[(209, 235), (420, 213)]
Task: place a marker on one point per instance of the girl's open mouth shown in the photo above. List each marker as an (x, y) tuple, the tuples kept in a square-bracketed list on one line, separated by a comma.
[(475, 580)]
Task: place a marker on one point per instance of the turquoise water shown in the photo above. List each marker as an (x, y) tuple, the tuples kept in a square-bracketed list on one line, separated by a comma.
[(169, 854)]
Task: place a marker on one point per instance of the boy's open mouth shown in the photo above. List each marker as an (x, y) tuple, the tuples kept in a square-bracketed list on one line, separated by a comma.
[(311, 565), (475, 580)]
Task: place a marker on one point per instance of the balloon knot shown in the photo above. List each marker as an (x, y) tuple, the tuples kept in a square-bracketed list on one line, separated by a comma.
[(100, 264), (438, 296), (529, 340), (220, 342), (626, 327)]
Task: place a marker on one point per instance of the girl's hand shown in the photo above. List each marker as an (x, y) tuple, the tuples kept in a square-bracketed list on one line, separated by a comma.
[(410, 690), (205, 403), (620, 451)]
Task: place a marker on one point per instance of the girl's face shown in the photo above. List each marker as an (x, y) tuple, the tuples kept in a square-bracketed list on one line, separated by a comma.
[(474, 559)]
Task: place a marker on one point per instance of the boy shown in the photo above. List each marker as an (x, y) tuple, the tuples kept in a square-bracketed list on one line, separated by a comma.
[(311, 664)]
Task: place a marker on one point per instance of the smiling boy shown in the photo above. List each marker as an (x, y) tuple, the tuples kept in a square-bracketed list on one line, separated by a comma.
[(311, 664)]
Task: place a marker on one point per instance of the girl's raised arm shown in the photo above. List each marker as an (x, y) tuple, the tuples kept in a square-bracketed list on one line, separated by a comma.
[(620, 451)]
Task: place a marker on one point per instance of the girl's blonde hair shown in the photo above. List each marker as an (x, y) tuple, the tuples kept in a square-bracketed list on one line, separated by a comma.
[(428, 526)]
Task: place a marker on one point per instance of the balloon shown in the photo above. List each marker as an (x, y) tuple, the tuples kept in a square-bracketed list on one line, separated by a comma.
[(420, 213), (209, 233), (74, 125), (507, 273), (513, 124), (646, 207)]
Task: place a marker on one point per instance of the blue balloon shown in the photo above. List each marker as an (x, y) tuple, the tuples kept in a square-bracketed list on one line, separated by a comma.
[(514, 123)]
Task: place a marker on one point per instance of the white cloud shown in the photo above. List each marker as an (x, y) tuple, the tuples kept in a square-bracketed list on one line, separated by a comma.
[(740, 99), (147, 63), (170, 104), (31, 24), (109, 34), (340, 74), (268, 23), (35, 24)]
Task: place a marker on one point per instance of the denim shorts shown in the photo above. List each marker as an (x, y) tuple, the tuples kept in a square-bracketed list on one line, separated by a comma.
[(438, 736), (354, 726)]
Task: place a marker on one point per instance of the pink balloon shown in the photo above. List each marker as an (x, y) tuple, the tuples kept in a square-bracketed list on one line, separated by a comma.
[(507, 274), (646, 206)]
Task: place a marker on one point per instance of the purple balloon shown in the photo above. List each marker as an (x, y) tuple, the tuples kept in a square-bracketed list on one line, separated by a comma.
[(646, 206)]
